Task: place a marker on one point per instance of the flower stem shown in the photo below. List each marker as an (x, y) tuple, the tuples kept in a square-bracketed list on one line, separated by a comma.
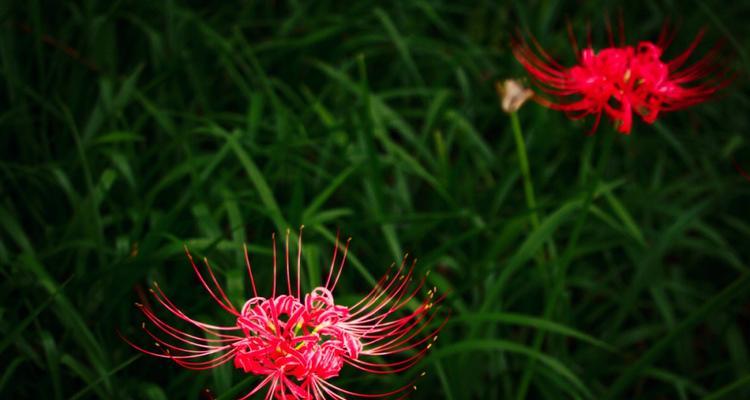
[(564, 261), (528, 188), (523, 162)]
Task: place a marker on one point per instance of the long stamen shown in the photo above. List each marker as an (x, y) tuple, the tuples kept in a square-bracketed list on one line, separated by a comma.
[(296, 344), (286, 259), (227, 306), (333, 259), (341, 265), (621, 80), (299, 260), (250, 271), (273, 240)]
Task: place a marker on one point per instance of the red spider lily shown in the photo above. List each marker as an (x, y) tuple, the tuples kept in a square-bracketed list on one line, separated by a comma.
[(620, 81), (297, 343)]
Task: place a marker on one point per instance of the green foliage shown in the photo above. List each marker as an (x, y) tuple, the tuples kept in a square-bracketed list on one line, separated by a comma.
[(131, 128)]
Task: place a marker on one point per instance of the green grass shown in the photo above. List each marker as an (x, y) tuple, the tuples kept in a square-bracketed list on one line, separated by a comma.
[(128, 129)]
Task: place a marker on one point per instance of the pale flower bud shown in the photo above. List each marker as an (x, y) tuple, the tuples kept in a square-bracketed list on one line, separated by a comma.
[(512, 94)]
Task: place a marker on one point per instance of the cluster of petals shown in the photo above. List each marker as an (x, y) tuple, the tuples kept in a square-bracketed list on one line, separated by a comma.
[(620, 81), (296, 343)]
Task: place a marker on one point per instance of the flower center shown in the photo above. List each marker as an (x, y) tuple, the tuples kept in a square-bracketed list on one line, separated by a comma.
[(300, 340)]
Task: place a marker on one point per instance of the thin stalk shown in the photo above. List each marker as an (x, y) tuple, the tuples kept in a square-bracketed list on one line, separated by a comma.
[(523, 161), (528, 188), (564, 262)]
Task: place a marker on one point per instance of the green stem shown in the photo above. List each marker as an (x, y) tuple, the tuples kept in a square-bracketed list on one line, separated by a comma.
[(523, 162), (528, 188), (564, 262)]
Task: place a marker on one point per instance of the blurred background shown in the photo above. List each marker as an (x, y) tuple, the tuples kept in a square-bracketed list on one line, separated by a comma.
[(131, 128)]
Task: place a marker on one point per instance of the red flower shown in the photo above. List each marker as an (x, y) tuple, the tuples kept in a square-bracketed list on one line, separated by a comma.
[(620, 81), (297, 343)]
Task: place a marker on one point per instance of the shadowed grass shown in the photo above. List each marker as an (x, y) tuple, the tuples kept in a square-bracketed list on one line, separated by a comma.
[(131, 129)]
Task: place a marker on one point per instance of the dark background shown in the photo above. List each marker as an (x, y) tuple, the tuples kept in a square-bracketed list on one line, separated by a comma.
[(130, 128)]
